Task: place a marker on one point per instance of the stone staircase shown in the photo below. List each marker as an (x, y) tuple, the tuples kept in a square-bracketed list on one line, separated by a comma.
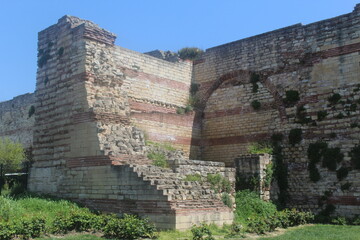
[(173, 185)]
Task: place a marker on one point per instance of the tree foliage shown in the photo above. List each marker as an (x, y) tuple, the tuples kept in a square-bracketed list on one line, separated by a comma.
[(11, 155)]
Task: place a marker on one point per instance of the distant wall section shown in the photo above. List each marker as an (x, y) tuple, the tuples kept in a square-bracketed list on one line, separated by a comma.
[(17, 119)]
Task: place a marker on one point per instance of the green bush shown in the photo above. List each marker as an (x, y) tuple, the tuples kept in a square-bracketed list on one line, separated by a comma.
[(27, 228), (342, 173), (295, 136), (31, 111), (355, 156), (249, 205), (202, 232), (7, 231), (332, 156), (346, 186), (321, 115), (159, 159), (128, 227), (226, 199), (219, 183), (193, 178), (291, 97), (334, 99), (254, 79), (190, 53), (260, 148), (255, 105)]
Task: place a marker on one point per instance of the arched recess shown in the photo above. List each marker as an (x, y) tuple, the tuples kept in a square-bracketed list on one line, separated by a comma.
[(229, 122)]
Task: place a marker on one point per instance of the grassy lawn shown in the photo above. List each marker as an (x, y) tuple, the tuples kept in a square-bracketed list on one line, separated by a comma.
[(308, 232), (319, 232), (74, 237)]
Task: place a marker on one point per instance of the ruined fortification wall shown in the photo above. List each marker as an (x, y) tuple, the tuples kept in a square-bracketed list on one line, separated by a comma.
[(17, 119), (93, 99), (317, 60), (144, 90)]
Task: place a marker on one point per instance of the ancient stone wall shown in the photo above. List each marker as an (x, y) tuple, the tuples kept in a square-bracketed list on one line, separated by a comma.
[(96, 105), (243, 87), (17, 119)]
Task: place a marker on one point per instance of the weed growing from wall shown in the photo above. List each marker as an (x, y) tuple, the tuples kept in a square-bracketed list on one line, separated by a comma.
[(159, 159), (31, 111), (342, 173), (302, 116), (295, 136), (256, 105), (334, 99), (260, 148), (254, 79), (219, 183), (291, 97), (355, 156), (193, 178), (332, 156), (280, 170), (190, 53), (321, 115)]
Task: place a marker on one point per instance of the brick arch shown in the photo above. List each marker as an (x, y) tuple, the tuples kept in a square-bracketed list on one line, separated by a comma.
[(234, 75)]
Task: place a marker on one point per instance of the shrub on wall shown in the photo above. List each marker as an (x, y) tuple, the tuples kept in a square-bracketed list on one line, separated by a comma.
[(260, 148), (295, 136), (159, 159), (342, 173), (321, 115), (332, 156), (254, 79), (31, 111), (291, 97), (355, 156), (334, 99), (190, 53), (255, 105)]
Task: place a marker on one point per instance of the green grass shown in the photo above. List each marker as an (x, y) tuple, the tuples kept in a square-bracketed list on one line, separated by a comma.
[(74, 237), (32, 206), (320, 232), (249, 205)]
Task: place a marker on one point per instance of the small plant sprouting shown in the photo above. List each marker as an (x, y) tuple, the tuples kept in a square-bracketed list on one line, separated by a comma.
[(159, 159), (190, 53), (340, 116), (321, 115), (256, 105), (193, 178), (291, 97), (295, 136), (254, 79), (334, 99), (345, 186), (260, 148), (46, 81), (60, 52), (31, 111), (342, 173)]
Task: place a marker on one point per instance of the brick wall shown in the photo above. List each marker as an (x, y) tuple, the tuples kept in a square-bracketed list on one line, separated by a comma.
[(17, 119), (317, 60)]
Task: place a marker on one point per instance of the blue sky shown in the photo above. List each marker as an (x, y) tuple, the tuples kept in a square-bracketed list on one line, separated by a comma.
[(145, 25)]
